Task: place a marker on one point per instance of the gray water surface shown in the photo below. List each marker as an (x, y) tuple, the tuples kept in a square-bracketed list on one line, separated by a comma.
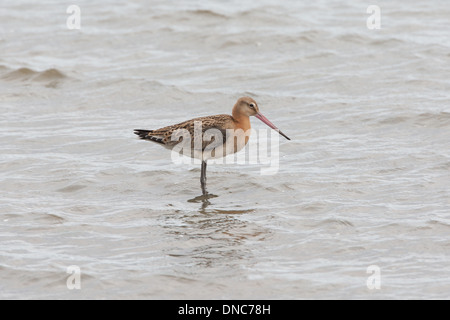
[(363, 182)]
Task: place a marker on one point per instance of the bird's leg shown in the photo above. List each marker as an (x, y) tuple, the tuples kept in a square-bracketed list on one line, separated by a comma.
[(203, 177)]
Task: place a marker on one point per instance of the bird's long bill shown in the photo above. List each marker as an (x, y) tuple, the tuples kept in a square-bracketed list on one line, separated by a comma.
[(270, 124)]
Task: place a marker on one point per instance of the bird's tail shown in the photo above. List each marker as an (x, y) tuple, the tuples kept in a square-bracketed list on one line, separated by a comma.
[(147, 135), (143, 134)]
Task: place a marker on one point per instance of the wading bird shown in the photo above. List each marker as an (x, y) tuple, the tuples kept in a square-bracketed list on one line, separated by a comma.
[(227, 134)]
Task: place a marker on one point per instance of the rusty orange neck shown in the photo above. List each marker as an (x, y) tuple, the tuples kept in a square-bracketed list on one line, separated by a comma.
[(241, 121)]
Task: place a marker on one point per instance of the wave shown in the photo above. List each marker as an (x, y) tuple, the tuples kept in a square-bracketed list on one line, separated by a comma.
[(197, 14), (50, 76), (427, 119), (207, 13), (440, 119)]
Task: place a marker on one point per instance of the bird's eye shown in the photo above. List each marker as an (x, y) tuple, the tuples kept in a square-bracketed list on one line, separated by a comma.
[(252, 105)]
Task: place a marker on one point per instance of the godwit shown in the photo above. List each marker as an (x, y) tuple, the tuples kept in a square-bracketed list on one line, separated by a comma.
[(230, 134)]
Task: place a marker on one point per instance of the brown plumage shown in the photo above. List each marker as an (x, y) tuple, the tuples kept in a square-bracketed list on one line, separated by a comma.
[(220, 134), (163, 136)]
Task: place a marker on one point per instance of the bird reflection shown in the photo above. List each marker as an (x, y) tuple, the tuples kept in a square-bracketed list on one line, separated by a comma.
[(205, 203), (204, 200), (212, 239)]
